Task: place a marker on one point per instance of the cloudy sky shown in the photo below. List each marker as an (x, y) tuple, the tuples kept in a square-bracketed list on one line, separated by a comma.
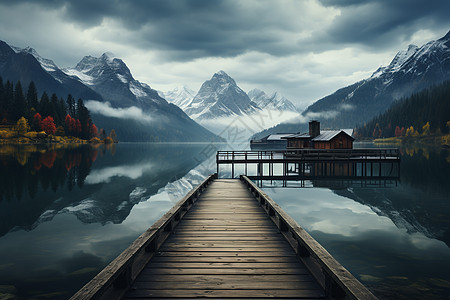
[(304, 49)]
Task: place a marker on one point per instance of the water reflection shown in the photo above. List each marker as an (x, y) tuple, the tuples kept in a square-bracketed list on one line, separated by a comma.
[(86, 205), (395, 238), (31, 175)]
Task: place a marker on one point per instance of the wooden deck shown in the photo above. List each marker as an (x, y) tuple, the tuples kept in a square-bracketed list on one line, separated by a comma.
[(226, 239), (226, 246)]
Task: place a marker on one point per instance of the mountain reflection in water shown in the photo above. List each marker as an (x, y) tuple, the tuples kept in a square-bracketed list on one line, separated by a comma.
[(67, 212), (394, 238)]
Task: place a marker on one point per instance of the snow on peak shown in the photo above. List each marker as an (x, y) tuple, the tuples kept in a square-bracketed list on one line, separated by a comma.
[(272, 101), (402, 57), (221, 73), (399, 60), (47, 64), (180, 96)]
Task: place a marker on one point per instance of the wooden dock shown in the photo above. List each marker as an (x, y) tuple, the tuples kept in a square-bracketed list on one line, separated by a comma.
[(225, 239), (301, 164)]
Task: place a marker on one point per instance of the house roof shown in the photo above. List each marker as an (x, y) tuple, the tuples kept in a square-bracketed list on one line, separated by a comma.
[(328, 135), (297, 136), (277, 137), (325, 135)]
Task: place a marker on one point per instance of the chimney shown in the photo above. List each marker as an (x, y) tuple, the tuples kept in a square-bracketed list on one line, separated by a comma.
[(314, 128)]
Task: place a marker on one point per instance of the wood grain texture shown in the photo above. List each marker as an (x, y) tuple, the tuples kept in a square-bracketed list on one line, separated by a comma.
[(226, 246)]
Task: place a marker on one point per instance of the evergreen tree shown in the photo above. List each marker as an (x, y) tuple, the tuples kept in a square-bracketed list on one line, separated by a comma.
[(62, 111), (32, 96), (20, 104), (9, 99), (54, 101), (428, 110), (85, 119), (45, 108), (2, 99), (71, 105)]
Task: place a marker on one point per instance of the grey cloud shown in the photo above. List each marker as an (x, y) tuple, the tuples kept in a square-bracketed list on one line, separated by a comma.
[(385, 23), (186, 30)]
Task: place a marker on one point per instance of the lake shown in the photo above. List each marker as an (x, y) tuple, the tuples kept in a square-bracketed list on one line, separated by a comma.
[(65, 213)]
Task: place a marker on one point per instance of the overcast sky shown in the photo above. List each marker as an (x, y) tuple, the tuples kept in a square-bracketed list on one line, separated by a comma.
[(304, 49)]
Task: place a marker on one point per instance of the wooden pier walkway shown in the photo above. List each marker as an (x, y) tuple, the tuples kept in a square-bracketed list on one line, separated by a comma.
[(228, 240)]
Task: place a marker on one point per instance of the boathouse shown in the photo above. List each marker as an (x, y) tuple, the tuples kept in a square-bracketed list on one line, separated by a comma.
[(317, 139), (271, 141)]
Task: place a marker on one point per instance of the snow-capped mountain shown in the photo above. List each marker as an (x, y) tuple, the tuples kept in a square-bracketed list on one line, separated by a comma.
[(110, 77), (116, 100), (27, 65), (220, 97), (180, 96), (411, 70), (274, 101)]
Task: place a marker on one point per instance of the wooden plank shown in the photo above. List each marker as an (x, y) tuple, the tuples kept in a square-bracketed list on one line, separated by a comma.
[(227, 233), (227, 222), (227, 259), (223, 249), (226, 278), (225, 237), (226, 285), (221, 265), (225, 271), (226, 293), (200, 228), (226, 247), (206, 253), (229, 245)]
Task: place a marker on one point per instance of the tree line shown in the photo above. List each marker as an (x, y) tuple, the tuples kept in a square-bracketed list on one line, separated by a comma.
[(50, 114), (426, 112)]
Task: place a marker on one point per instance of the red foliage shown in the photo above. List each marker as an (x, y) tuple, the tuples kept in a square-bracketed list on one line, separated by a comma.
[(78, 127), (398, 131), (37, 120), (94, 131), (48, 159), (48, 125)]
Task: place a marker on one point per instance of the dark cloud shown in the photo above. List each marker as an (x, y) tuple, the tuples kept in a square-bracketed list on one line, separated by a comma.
[(188, 29), (184, 30), (385, 23)]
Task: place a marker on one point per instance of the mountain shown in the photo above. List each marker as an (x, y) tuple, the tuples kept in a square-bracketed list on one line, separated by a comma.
[(116, 100), (411, 70), (180, 96), (430, 106), (27, 65), (110, 77), (135, 110), (220, 97), (274, 101)]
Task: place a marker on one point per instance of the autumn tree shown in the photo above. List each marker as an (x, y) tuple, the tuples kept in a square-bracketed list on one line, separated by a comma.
[(113, 135), (22, 126), (36, 122), (48, 125), (426, 129), (397, 131), (94, 131)]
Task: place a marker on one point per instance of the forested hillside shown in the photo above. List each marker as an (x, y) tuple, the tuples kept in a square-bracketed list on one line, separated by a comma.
[(426, 112), (53, 115)]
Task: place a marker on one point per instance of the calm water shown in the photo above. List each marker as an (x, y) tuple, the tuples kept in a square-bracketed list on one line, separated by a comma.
[(66, 213)]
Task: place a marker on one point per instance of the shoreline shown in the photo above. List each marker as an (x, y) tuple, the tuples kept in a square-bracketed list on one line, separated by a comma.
[(431, 140)]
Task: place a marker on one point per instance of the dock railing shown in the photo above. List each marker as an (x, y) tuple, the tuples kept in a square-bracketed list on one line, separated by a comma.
[(337, 281), (309, 154), (115, 279)]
